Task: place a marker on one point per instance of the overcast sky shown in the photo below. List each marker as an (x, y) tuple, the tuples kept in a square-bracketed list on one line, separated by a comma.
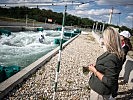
[(97, 10)]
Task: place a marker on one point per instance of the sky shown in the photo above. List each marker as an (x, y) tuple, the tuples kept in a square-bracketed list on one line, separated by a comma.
[(97, 10)]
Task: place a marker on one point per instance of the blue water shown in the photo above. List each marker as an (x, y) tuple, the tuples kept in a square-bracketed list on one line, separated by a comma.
[(23, 48)]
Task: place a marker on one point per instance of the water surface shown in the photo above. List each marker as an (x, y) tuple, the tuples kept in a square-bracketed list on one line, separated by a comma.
[(23, 48)]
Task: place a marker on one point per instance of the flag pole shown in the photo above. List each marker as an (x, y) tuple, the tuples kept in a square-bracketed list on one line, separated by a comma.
[(59, 57)]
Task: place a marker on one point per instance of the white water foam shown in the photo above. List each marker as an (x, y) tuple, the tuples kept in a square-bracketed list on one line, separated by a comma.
[(23, 48)]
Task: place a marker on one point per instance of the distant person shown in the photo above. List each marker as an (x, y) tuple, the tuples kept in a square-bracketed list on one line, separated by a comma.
[(126, 44), (41, 39), (104, 79), (101, 41)]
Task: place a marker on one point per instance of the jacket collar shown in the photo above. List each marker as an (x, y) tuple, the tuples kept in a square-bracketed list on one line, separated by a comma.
[(103, 55)]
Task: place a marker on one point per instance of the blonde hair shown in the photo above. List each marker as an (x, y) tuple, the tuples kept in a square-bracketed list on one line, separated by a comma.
[(112, 42)]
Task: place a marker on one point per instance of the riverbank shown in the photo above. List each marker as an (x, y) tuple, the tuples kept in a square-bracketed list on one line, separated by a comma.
[(18, 25), (72, 83), (15, 26)]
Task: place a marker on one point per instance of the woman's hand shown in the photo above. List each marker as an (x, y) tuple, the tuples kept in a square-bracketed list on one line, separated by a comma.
[(96, 73), (92, 68)]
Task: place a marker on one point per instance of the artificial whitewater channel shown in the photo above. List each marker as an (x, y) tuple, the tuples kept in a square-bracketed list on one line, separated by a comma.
[(23, 48)]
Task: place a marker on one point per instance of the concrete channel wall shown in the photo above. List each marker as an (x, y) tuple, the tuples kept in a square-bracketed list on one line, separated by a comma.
[(127, 69), (11, 82)]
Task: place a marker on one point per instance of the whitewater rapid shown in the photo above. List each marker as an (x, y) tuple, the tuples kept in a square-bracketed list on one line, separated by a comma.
[(23, 48)]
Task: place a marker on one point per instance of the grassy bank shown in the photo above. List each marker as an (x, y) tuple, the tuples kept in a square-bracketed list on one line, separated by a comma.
[(19, 20), (11, 19)]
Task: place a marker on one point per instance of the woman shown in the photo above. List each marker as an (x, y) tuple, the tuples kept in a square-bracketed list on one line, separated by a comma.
[(126, 44), (104, 80)]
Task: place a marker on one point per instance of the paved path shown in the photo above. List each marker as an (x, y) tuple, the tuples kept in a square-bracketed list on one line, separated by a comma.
[(72, 83)]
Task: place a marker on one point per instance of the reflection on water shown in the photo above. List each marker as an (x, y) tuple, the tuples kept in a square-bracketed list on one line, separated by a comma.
[(23, 48)]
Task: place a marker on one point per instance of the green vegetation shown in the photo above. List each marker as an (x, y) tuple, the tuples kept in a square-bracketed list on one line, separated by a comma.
[(38, 15)]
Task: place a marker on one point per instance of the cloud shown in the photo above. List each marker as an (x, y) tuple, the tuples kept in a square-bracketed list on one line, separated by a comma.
[(93, 14), (80, 13), (14, 1), (98, 11), (45, 7), (95, 11), (127, 4), (19, 1), (129, 25), (129, 18), (96, 14), (75, 0), (65, 0), (83, 6), (131, 14), (115, 2)]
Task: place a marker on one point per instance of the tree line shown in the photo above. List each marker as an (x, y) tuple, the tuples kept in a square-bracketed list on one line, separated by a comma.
[(42, 15)]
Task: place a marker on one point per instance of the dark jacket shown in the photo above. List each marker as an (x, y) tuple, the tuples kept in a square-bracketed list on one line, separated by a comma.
[(126, 49), (109, 65)]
